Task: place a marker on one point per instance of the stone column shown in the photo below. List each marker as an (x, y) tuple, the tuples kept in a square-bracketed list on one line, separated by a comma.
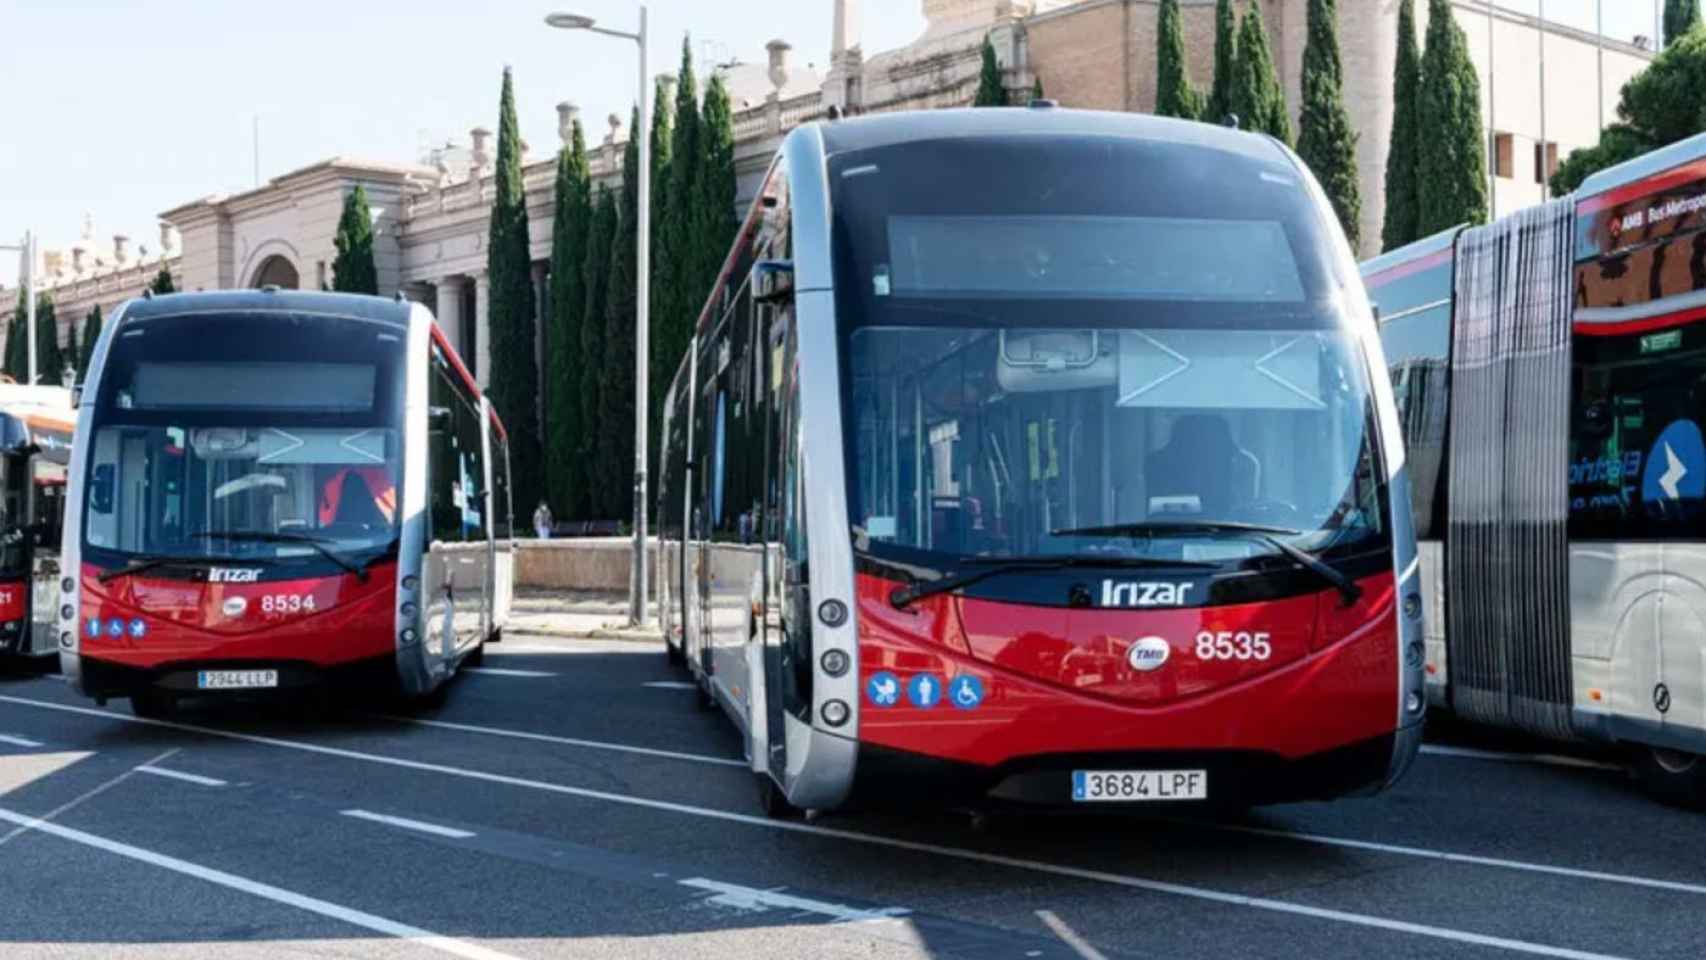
[(419, 292), (482, 329), (450, 309)]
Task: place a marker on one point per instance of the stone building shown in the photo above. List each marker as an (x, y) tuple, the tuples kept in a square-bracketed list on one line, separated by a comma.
[(431, 220)]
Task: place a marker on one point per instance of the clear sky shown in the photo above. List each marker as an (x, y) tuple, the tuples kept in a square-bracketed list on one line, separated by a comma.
[(122, 109)]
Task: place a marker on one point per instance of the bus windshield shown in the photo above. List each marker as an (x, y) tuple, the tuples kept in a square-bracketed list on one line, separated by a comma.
[(273, 438), (1103, 349)]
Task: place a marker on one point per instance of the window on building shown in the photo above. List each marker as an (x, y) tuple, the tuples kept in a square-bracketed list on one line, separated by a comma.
[(1545, 161), (1504, 155)]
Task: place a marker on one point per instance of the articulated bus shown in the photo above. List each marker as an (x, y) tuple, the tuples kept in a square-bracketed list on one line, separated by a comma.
[(1033, 457), (1550, 374), (273, 490), (35, 447)]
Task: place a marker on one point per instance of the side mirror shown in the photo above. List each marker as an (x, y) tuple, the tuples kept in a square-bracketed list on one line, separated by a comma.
[(773, 281), (101, 489), (438, 419)]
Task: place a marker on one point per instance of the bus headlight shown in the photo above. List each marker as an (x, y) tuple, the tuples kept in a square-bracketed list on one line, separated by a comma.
[(411, 582), (1412, 702), (408, 610), (67, 612), (67, 585), (1413, 607), (66, 640), (835, 712), (408, 635), (833, 613), (836, 662), (1413, 655)]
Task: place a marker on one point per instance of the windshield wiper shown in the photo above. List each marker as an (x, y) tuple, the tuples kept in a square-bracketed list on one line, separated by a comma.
[(262, 536), (1270, 535), (148, 563), (902, 597)]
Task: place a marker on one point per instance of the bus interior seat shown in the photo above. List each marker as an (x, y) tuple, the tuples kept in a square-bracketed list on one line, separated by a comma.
[(1201, 459)]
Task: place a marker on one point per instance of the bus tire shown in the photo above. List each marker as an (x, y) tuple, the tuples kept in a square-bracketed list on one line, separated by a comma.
[(154, 705), (1673, 777), (773, 801)]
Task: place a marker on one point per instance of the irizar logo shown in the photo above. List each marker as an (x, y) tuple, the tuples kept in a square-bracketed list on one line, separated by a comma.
[(1148, 654), (233, 574), (1133, 594)]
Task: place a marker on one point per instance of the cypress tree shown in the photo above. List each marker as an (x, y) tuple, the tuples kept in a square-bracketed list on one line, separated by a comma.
[(1403, 210), (675, 262), (664, 352), (566, 423), (353, 270), (1451, 174), (1037, 89), (16, 346), (1256, 96), (1174, 95), (163, 282), (514, 372), (714, 204), (615, 453), (600, 244), (991, 91), (1225, 62), (72, 352), (1681, 16), (50, 361), (1325, 139), (91, 334)]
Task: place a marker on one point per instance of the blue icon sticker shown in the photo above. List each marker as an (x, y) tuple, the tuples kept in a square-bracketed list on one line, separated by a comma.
[(115, 628), (138, 629), (1080, 785), (925, 691), (1676, 465), (883, 689), (94, 627), (965, 691)]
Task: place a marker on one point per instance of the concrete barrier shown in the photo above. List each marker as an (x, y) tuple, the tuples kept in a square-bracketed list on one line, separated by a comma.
[(582, 563)]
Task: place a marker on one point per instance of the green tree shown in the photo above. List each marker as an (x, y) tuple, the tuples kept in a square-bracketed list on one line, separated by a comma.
[(615, 453), (1451, 174), (1037, 89), (1325, 139), (991, 89), (1403, 210), (600, 244), (714, 207), (163, 282), (566, 422), (1658, 107), (353, 270), (666, 334), (677, 289), (50, 360), (1225, 62), (1681, 16), (1257, 99), (1174, 95), (72, 352), (1619, 143), (514, 387), (17, 347), (91, 334)]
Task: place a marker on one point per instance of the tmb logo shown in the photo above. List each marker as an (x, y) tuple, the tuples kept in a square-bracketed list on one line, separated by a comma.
[(233, 574), (1133, 594)]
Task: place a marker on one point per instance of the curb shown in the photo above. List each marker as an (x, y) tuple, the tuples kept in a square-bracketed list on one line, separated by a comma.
[(626, 636)]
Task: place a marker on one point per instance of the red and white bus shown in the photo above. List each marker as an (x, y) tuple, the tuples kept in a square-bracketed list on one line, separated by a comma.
[(35, 446), (273, 490), (1037, 455)]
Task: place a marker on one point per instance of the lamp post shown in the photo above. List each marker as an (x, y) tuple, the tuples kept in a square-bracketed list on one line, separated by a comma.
[(642, 298), (27, 273)]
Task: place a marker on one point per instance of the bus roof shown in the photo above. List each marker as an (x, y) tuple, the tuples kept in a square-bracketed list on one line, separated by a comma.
[(1646, 165), (884, 129), (354, 305), (1406, 256)]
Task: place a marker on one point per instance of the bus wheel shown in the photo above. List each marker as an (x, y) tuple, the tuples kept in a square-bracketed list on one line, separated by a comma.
[(1673, 777), (154, 705), (773, 801)]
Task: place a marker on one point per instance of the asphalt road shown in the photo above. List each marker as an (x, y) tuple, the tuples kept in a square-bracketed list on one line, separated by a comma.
[(571, 800)]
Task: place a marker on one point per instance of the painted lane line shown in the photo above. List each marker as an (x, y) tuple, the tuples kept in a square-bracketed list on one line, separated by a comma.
[(84, 797), (1069, 936), (18, 741), (913, 846), (1547, 759), (407, 824), (566, 741), (503, 672), (670, 685), (1674, 886), (180, 775), (265, 891), (753, 899)]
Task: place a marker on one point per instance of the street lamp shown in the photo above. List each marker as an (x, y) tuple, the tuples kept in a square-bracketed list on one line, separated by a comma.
[(642, 298)]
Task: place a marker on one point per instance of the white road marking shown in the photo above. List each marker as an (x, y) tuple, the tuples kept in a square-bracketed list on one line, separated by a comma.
[(18, 741), (670, 685), (894, 843), (1549, 759), (408, 824), (1069, 936), (265, 891), (180, 775), (566, 741), (754, 899), (1525, 866), (503, 672), (85, 796)]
